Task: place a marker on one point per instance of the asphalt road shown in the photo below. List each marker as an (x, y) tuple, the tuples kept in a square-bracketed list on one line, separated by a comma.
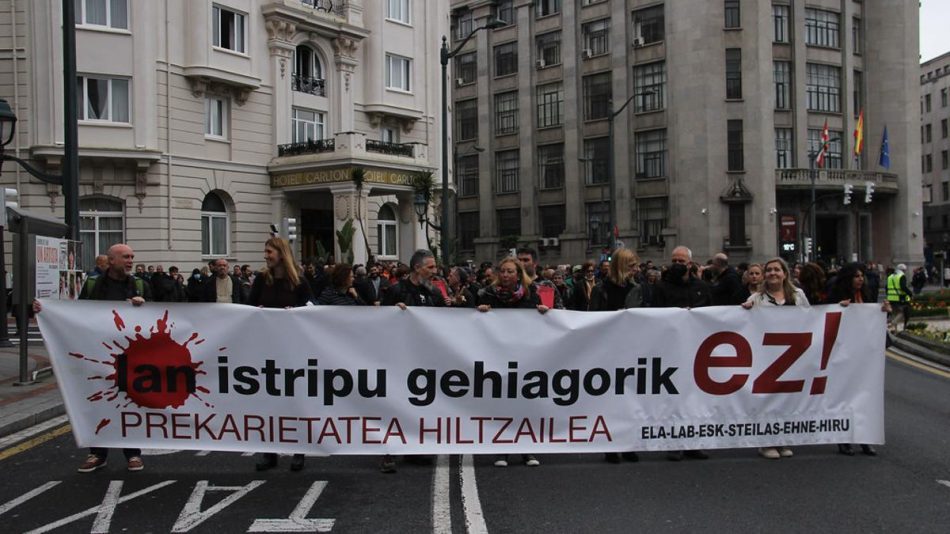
[(904, 489)]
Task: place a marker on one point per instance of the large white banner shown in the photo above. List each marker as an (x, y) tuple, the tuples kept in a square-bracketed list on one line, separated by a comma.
[(364, 380)]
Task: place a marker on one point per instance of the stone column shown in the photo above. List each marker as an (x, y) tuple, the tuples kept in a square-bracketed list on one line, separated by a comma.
[(279, 42), (349, 205), (345, 51)]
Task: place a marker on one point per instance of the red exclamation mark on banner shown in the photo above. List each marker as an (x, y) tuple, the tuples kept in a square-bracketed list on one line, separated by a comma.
[(832, 322)]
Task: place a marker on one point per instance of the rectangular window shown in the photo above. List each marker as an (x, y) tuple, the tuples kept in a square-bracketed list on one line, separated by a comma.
[(733, 73), (229, 29), (467, 172), (550, 104), (944, 159), (549, 49), (468, 230), (856, 36), (398, 72), (596, 37), (507, 172), (649, 25), (857, 95), (782, 75), (929, 161), (598, 223), (103, 99), (833, 155), (649, 84), (551, 166), (943, 128), (945, 191), (651, 214), (737, 224), (506, 113), (466, 116), (466, 68), (214, 234), (543, 8), (734, 141), (823, 88), (464, 23), (597, 94), (509, 222), (398, 10), (505, 11), (821, 28), (943, 97), (216, 117), (108, 13), (553, 220), (388, 134), (927, 103), (929, 129), (733, 18), (506, 59), (651, 154), (308, 125), (784, 145), (780, 15), (596, 153)]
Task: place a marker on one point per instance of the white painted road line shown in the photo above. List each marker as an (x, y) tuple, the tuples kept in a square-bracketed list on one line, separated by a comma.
[(441, 504), (474, 518), (27, 496), (32, 431), (944, 483)]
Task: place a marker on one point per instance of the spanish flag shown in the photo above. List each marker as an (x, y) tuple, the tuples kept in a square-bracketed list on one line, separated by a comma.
[(859, 135)]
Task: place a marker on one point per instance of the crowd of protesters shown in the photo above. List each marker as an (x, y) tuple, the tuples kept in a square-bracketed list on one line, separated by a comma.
[(621, 281)]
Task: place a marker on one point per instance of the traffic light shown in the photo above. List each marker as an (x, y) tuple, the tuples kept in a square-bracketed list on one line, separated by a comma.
[(868, 192), (289, 228), (808, 246), (8, 197), (848, 189)]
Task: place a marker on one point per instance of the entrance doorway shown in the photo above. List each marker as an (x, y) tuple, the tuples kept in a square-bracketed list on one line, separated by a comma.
[(826, 238), (316, 226)]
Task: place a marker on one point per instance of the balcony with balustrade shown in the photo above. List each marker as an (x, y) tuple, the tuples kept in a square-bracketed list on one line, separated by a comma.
[(885, 183), (351, 148)]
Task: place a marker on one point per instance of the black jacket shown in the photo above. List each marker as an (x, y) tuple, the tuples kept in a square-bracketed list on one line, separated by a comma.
[(489, 296), (673, 292), (413, 295), (167, 289), (368, 292), (331, 296), (608, 296), (209, 290), (727, 289)]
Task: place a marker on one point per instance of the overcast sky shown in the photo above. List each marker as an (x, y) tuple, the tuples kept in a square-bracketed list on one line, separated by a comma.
[(934, 28)]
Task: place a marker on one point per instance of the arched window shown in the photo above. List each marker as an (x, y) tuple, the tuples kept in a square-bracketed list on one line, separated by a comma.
[(386, 244), (214, 226), (101, 225), (308, 72)]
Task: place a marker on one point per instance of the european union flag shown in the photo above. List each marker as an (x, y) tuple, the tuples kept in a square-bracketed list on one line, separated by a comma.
[(885, 151)]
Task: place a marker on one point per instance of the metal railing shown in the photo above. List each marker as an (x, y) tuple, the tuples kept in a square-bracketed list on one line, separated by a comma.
[(306, 84), (835, 177), (307, 147), (391, 149)]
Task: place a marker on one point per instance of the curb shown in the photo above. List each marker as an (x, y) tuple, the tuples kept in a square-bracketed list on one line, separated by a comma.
[(919, 350), (32, 419)]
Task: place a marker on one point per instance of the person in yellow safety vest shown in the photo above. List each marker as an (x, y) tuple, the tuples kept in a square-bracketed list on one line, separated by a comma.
[(898, 294)]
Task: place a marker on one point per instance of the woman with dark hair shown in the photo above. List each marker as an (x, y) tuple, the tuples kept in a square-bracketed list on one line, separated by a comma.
[(512, 289), (461, 293), (811, 279), (584, 287), (850, 287), (340, 290), (279, 285), (776, 290)]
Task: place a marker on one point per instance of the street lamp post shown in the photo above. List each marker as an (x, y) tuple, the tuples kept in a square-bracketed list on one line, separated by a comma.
[(612, 212), (444, 56)]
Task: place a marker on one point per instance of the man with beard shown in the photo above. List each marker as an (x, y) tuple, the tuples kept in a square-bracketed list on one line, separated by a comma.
[(679, 289), (529, 260), (372, 288)]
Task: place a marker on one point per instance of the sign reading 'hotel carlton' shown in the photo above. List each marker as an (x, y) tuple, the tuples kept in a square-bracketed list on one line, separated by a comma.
[(341, 175)]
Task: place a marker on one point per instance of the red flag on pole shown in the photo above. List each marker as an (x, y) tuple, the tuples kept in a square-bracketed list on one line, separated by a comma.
[(820, 158)]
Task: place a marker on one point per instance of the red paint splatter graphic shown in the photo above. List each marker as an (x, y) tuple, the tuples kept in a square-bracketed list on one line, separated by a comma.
[(102, 424), (153, 372)]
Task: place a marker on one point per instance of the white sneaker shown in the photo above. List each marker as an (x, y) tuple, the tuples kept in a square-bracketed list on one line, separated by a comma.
[(785, 452), (531, 461), (502, 461), (769, 452)]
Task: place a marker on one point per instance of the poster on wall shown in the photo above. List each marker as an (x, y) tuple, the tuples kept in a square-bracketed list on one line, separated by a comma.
[(58, 274)]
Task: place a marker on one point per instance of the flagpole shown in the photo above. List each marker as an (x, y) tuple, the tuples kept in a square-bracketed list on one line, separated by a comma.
[(811, 221)]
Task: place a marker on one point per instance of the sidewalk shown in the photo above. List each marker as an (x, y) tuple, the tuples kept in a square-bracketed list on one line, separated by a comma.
[(24, 406)]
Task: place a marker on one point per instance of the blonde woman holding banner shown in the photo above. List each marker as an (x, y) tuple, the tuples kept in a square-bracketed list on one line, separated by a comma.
[(776, 290)]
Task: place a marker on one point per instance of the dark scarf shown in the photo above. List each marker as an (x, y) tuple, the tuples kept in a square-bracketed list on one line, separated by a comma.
[(507, 296)]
